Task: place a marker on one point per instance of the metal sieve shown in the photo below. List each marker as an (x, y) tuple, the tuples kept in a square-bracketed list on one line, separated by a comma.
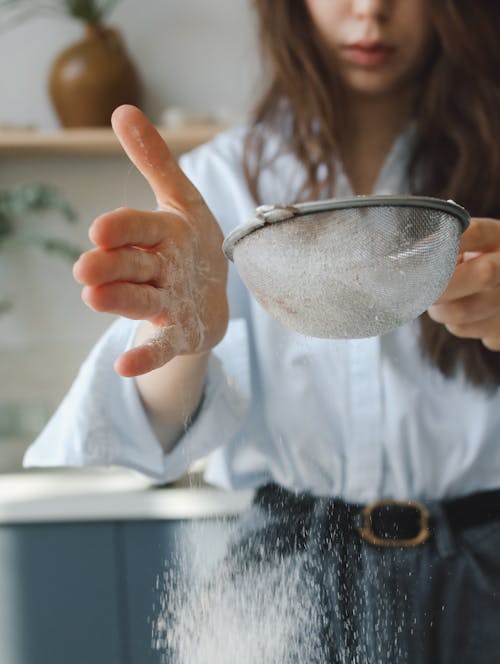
[(349, 268)]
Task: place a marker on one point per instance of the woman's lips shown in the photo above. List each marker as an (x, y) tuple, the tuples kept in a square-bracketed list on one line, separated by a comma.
[(368, 54)]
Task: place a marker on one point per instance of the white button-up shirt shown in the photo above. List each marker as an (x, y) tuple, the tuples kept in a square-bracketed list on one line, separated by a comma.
[(359, 419)]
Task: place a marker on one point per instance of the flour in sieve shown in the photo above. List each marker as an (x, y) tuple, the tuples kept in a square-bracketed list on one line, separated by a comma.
[(299, 284), (349, 278)]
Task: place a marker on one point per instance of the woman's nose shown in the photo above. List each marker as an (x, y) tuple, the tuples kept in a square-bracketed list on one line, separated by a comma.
[(379, 9)]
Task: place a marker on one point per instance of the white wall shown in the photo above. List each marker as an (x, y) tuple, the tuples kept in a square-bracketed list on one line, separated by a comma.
[(197, 54)]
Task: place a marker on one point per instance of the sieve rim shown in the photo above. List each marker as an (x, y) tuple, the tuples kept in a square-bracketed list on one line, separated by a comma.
[(269, 214)]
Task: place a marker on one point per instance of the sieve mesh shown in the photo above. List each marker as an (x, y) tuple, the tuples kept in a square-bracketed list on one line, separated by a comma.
[(352, 272)]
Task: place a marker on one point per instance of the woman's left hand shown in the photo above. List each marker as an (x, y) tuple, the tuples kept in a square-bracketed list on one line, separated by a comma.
[(470, 305)]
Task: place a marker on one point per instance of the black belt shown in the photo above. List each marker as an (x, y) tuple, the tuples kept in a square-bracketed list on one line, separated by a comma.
[(387, 522)]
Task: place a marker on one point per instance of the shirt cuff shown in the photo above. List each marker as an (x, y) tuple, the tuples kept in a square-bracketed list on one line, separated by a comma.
[(102, 422)]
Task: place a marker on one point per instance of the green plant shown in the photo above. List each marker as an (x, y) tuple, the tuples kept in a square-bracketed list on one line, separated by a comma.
[(94, 12), (24, 201)]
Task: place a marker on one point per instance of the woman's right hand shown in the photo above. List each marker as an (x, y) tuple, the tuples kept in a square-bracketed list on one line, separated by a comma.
[(165, 266)]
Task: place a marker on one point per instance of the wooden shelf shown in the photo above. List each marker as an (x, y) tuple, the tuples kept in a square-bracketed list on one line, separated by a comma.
[(92, 141)]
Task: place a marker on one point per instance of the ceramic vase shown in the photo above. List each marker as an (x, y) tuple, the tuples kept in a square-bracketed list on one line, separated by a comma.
[(91, 78)]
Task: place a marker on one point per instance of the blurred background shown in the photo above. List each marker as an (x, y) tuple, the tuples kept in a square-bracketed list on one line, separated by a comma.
[(83, 552), (197, 65)]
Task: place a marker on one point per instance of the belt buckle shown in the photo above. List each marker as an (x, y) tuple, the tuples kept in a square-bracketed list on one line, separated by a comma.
[(366, 529)]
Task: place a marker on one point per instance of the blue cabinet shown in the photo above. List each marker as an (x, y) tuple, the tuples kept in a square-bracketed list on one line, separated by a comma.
[(88, 592)]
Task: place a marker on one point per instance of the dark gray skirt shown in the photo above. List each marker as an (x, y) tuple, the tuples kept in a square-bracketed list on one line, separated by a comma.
[(334, 598)]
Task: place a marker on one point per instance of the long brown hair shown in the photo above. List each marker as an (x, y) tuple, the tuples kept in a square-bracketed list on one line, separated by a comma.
[(457, 118)]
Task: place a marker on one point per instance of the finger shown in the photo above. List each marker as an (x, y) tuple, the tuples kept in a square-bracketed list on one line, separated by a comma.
[(97, 267), (482, 234), (150, 154), (467, 310), (473, 276), (129, 300), (125, 226), (492, 343), (153, 354), (489, 328)]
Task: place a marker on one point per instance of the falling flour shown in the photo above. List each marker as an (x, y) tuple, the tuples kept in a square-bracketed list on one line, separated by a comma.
[(263, 606), (265, 614)]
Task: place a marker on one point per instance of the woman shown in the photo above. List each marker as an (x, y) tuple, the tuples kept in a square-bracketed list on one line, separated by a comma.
[(365, 96)]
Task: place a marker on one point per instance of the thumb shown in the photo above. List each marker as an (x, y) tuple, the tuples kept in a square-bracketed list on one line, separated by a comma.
[(149, 153)]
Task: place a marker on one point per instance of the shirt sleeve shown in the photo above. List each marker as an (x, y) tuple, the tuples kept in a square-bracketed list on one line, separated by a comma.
[(102, 422)]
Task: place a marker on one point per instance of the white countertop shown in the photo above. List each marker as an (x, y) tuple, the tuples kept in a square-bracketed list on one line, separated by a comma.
[(108, 494)]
